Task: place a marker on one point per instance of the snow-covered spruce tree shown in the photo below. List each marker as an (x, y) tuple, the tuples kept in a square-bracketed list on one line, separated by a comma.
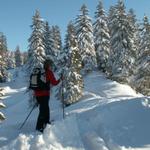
[(73, 82), (47, 39), (101, 38), (3, 58), (136, 29), (18, 57), (55, 33), (11, 60), (122, 44), (2, 69), (49, 43), (24, 57), (142, 77), (36, 51), (84, 32), (56, 43), (3, 42)]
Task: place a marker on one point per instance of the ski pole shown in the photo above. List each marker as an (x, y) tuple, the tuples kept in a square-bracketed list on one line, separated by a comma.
[(27, 117), (62, 94)]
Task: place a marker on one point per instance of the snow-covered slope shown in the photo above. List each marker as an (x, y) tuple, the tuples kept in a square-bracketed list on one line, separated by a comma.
[(110, 116)]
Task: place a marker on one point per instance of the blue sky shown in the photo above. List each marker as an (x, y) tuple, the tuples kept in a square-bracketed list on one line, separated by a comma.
[(16, 15)]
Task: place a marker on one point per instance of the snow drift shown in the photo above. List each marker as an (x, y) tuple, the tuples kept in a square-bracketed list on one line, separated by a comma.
[(110, 116)]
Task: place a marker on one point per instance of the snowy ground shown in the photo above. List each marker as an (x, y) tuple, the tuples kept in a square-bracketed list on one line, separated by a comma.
[(110, 116)]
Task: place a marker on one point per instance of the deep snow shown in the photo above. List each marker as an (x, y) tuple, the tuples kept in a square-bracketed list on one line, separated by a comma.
[(110, 116)]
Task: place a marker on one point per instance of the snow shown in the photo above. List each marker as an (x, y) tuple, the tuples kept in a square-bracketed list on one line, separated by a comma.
[(110, 116)]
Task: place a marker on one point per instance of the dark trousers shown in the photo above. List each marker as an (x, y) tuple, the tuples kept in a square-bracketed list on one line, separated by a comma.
[(44, 115)]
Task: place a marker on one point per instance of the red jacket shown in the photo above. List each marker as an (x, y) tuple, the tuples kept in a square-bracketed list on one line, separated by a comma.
[(49, 78)]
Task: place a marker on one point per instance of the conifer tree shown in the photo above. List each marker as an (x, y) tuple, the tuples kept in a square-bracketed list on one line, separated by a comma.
[(18, 57), (122, 43), (47, 39), (136, 29), (49, 43), (11, 60), (55, 41), (73, 82), (24, 56), (56, 36), (36, 51), (3, 58), (136, 32), (3, 43), (1, 68), (84, 32), (54, 44), (142, 77), (101, 38)]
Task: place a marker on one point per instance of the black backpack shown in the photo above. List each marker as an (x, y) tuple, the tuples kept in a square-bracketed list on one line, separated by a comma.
[(38, 80)]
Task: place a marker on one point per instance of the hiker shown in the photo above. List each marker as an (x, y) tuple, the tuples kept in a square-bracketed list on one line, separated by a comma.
[(42, 97)]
